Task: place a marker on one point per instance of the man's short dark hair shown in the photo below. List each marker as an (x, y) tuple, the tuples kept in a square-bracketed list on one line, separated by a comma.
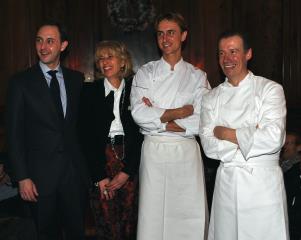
[(231, 33), (61, 28), (172, 16)]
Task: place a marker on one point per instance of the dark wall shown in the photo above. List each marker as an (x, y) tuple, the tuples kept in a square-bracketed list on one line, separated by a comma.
[(274, 27)]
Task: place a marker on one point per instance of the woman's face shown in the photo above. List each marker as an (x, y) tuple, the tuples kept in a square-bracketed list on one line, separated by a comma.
[(110, 65)]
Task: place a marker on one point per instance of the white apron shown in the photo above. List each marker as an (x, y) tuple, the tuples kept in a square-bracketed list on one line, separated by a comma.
[(249, 201), (172, 199)]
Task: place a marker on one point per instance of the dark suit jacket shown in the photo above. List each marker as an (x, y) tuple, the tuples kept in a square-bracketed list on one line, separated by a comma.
[(41, 147), (96, 116)]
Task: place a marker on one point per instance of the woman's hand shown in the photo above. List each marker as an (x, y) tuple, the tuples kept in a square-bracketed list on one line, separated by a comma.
[(118, 181), (105, 193)]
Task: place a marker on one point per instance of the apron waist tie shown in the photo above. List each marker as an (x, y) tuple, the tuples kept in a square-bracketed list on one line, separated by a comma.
[(248, 166)]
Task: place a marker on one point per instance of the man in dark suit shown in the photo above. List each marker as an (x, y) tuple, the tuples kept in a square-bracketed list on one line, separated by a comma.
[(43, 148)]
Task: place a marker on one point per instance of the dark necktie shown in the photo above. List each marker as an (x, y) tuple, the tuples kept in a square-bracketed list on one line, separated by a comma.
[(55, 92)]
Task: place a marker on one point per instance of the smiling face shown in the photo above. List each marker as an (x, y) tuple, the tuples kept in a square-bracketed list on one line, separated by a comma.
[(49, 45), (170, 38), (233, 58), (110, 65)]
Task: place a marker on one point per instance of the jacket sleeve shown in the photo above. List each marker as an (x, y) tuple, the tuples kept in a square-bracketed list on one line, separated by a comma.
[(16, 129), (192, 123), (213, 147), (133, 137), (91, 140), (133, 151), (269, 136), (148, 118)]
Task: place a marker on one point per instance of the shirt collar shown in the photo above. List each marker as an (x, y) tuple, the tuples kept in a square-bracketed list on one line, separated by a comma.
[(109, 87), (243, 82), (45, 69), (166, 66)]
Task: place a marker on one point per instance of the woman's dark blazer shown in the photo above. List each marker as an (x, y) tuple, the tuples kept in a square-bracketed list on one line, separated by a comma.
[(96, 115)]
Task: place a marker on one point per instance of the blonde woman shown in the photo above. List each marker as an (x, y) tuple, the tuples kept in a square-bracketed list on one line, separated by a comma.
[(111, 143)]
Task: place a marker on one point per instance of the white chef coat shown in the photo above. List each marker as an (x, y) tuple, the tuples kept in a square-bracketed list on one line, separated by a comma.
[(172, 198), (249, 199), (167, 89)]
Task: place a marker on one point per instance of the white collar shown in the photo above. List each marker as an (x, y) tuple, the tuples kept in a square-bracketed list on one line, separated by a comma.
[(109, 87)]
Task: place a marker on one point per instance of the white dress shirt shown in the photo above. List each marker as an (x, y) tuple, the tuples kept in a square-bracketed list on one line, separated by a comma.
[(116, 125)]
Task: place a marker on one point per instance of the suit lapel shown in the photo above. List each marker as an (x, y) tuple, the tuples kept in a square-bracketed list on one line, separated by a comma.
[(124, 107), (68, 87)]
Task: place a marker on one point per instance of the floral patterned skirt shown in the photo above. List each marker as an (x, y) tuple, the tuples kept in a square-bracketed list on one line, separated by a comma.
[(116, 219)]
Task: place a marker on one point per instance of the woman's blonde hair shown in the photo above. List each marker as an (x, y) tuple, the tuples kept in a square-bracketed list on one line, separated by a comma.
[(119, 50)]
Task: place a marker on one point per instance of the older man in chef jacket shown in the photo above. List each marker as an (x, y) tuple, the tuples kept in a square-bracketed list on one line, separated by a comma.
[(243, 126)]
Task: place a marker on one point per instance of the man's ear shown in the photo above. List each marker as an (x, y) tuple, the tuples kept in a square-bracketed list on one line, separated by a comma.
[(64, 45), (183, 36), (249, 54)]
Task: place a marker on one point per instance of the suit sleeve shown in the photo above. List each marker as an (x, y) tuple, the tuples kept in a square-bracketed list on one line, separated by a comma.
[(87, 135), (93, 133), (16, 129)]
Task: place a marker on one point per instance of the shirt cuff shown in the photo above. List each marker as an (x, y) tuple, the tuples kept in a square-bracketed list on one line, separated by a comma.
[(162, 127), (245, 139)]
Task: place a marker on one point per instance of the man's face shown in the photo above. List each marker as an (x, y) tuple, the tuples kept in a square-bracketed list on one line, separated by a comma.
[(289, 149), (233, 58), (49, 45), (170, 37)]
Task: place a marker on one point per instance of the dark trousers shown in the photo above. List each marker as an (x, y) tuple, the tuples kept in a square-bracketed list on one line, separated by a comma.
[(62, 213)]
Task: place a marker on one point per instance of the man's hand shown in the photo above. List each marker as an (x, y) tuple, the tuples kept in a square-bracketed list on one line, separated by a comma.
[(118, 181), (224, 133), (105, 193), (173, 127), (147, 102), (28, 190), (177, 113)]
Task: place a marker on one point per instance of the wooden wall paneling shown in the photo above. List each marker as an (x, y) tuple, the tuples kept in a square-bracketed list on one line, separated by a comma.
[(105, 28), (292, 53), (194, 52), (3, 52), (80, 22), (16, 43), (263, 22), (216, 17), (36, 16)]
